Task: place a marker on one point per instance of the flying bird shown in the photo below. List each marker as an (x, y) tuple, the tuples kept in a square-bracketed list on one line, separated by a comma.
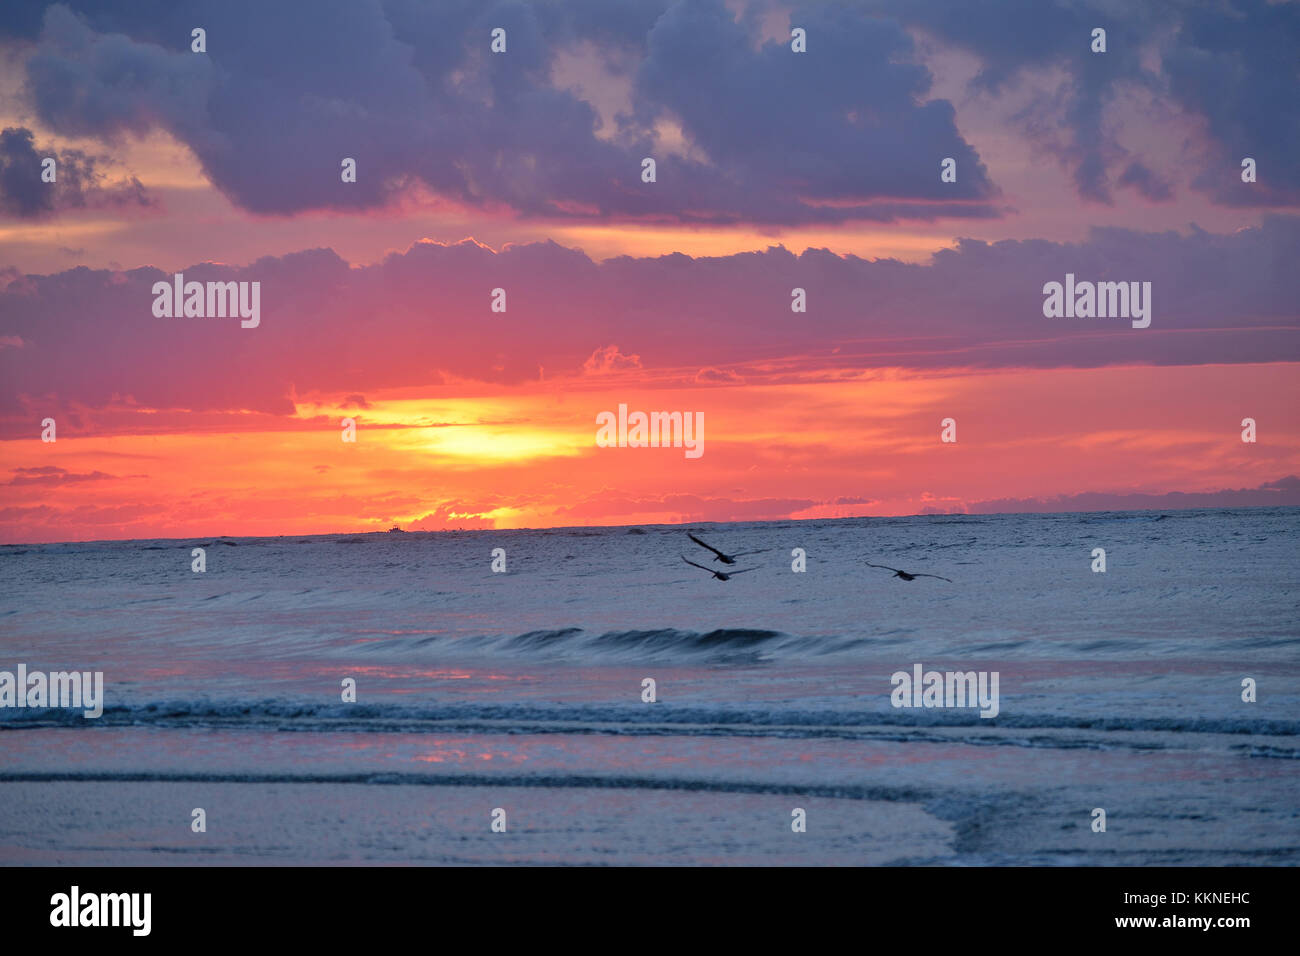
[(724, 558), (906, 576), (717, 574)]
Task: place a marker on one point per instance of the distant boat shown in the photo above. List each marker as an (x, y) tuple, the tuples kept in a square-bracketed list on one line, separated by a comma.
[(397, 529)]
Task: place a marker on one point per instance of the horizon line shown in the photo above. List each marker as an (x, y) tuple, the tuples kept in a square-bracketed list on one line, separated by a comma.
[(673, 524)]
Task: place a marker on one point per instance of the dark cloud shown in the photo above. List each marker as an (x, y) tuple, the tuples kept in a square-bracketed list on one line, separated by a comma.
[(1012, 37), (78, 183), (1149, 184), (411, 91), (1232, 63), (842, 123), (1236, 66)]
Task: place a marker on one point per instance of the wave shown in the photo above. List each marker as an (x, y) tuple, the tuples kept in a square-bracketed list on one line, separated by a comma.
[(1055, 731), (731, 645), (544, 781)]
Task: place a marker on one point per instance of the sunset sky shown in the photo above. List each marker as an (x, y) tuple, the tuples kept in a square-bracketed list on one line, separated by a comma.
[(522, 171)]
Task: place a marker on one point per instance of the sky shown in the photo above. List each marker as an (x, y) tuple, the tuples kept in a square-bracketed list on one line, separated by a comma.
[(921, 315)]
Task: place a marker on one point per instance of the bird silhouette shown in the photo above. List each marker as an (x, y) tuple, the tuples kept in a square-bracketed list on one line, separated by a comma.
[(720, 556), (906, 576), (721, 576)]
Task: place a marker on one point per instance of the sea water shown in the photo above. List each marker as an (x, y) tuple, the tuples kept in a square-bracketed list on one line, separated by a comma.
[(526, 692)]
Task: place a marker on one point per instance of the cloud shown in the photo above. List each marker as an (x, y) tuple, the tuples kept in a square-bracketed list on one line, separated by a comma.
[(1151, 185), (682, 508), (1230, 65), (1282, 493), (843, 132), (472, 516), (1235, 65), (416, 319), (49, 475), (78, 181), (410, 90), (844, 124), (609, 359), (718, 376)]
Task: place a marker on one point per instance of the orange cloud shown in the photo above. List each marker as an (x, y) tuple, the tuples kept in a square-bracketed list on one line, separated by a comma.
[(525, 456)]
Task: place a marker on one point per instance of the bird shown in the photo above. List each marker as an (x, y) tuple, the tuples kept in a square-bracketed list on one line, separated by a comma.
[(717, 574), (724, 558), (906, 576)]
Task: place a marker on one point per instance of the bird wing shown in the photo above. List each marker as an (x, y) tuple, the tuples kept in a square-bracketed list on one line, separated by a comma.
[(741, 554), (694, 565), (703, 545), (741, 571), (939, 576), (885, 566)]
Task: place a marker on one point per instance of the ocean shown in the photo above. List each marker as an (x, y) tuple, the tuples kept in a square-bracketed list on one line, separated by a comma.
[(503, 718)]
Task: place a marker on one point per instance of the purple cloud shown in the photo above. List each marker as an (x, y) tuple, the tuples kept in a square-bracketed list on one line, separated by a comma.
[(78, 182), (412, 93), (418, 318)]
